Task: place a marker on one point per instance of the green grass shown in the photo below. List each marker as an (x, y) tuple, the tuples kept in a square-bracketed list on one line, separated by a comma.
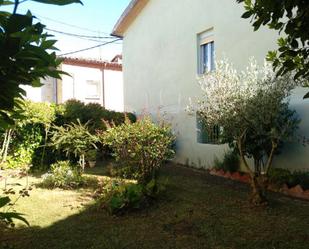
[(197, 211)]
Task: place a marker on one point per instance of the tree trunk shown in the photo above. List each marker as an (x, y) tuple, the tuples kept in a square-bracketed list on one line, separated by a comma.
[(44, 147), (258, 195), (6, 146)]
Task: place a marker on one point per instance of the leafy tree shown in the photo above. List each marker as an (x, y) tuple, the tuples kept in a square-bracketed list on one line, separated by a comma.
[(291, 17), (27, 54), (252, 110)]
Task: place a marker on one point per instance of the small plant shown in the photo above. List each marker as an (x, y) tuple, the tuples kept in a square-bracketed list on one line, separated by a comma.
[(7, 212), (140, 148), (280, 176), (91, 155), (230, 162), (63, 175), (121, 196), (75, 139)]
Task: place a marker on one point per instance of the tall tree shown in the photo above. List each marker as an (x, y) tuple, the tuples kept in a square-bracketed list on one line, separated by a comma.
[(27, 54), (291, 17)]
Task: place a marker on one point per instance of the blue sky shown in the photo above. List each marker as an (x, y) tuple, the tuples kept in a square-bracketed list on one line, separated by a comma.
[(94, 18)]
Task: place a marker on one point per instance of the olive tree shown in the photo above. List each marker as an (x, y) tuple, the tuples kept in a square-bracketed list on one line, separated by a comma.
[(251, 107)]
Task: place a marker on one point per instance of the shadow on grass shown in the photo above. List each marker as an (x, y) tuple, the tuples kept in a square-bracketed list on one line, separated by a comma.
[(197, 211)]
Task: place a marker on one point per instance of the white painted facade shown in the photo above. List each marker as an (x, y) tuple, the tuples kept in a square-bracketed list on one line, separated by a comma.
[(87, 84), (163, 76)]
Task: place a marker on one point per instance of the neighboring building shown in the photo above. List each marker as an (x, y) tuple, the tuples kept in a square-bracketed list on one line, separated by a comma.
[(166, 44), (89, 81)]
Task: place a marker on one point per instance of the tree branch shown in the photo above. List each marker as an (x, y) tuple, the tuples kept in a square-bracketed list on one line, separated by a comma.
[(15, 6)]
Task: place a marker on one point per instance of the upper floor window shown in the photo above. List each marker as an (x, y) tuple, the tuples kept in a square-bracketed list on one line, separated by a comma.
[(206, 47)]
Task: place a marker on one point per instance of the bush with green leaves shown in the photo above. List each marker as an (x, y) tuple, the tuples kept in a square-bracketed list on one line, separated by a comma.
[(92, 114), (73, 139), (140, 148), (22, 141), (230, 162), (121, 196), (63, 175), (280, 176)]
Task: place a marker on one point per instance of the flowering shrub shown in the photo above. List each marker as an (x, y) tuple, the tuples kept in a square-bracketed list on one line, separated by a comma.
[(140, 148), (63, 175)]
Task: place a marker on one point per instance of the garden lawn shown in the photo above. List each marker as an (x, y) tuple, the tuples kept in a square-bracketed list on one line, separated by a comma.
[(197, 211)]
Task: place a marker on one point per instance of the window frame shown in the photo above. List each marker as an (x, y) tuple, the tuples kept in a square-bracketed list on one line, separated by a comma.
[(98, 84), (203, 135), (206, 40)]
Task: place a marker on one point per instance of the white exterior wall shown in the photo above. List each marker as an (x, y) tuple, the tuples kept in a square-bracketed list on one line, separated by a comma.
[(76, 86), (110, 89), (160, 67), (46, 93), (113, 88)]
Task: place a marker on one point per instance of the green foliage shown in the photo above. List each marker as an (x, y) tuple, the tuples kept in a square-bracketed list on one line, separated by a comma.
[(280, 176), (230, 162), (7, 212), (92, 114), (91, 155), (141, 147), (75, 139), (122, 196), (26, 56), (301, 178), (32, 132), (28, 136), (291, 17), (63, 175), (8, 217)]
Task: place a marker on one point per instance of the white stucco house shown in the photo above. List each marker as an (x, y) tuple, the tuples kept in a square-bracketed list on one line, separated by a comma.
[(167, 43), (89, 81)]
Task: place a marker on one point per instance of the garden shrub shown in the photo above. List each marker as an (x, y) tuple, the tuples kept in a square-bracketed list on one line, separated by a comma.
[(74, 139), (27, 135), (63, 175), (140, 148), (122, 196), (30, 134), (301, 178), (230, 162), (91, 113), (280, 176)]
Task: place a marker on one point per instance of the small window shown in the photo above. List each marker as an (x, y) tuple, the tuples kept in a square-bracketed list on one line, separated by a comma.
[(204, 135), (92, 89), (206, 47)]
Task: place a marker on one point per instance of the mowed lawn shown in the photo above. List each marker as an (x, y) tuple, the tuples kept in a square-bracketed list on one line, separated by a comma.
[(196, 211)]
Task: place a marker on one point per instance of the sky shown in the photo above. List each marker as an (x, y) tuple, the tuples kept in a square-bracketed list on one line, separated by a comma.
[(95, 18)]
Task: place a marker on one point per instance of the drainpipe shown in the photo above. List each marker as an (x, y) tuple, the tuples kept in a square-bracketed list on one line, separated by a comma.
[(103, 86)]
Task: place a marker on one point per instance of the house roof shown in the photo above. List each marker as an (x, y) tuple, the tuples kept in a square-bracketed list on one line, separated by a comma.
[(92, 63), (128, 16), (117, 58)]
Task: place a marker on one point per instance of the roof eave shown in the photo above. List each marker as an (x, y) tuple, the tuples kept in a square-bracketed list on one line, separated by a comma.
[(128, 16)]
